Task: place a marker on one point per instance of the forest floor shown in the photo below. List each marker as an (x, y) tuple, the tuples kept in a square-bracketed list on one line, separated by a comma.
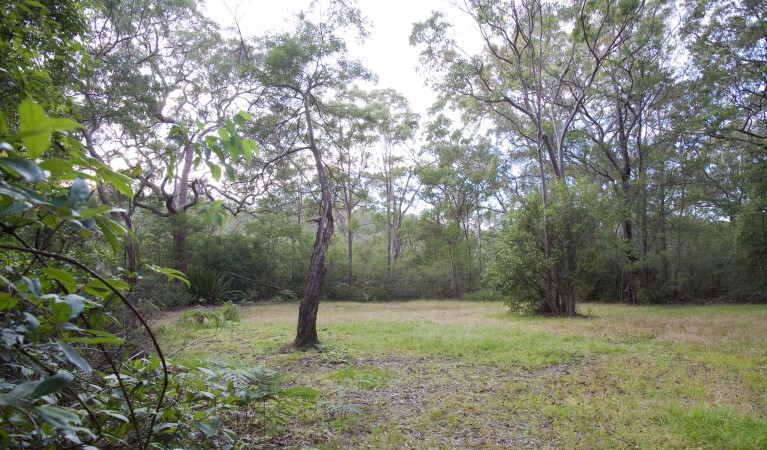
[(457, 374)]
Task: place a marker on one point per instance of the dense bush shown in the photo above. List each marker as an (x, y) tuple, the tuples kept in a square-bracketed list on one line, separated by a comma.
[(519, 268)]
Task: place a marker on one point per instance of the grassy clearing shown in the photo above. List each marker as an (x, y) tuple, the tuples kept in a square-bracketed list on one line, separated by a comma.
[(438, 374)]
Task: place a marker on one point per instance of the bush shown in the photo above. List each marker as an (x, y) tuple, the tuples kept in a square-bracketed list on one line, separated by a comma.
[(155, 289), (519, 268), (209, 286)]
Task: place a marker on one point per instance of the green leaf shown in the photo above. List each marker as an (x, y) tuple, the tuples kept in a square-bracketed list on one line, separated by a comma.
[(109, 234), (215, 170), (239, 120), (219, 219), (6, 301), (21, 391), (114, 414), (99, 289), (62, 276), (33, 285), (97, 337), (15, 207), (52, 384), (57, 167), (121, 182), (83, 224), (230, 172), (76, 302), (249, 148), (223, 134), (60, 311), (58, 417), (22, 193), (90, 212), (230, 128), (172, 274), (23, 168), (79, 193), (245, 115), (177, 134), (34, 128), (75, 358), (63, 124)]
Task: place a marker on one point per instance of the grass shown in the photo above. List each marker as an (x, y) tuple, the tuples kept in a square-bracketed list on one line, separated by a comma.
[(448, 374)]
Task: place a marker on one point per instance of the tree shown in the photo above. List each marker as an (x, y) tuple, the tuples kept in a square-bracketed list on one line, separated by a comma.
[(462, 178), (624, 125), (532, 79), (727, 117), (349, 131), (297, 69), (396, 125), (159, 70)]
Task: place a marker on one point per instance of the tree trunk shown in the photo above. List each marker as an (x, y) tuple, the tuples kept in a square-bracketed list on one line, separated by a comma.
[(454, 268), (179, 233), (628, 235), (349, 243), (550, 294), (306, 333)]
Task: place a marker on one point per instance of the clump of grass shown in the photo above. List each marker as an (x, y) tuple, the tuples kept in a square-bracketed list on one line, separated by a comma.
[(719, 427), (209, 286), (201, 317), (228, 314)]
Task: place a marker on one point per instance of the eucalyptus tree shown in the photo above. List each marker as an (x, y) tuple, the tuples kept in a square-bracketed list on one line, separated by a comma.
[(396, 125), (461, 179), (625, 122), (299, 70), (728, 81), (348, 126), (533, 77), (159, 69)]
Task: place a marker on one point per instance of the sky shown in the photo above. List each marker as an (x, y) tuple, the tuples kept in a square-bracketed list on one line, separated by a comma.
[(386, 52)]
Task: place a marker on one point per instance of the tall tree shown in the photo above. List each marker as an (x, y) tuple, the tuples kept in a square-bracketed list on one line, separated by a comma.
[(298, 69), (533, 78), (157, 66), (396, 125), (350, 133), (461, 179), (631, 93)]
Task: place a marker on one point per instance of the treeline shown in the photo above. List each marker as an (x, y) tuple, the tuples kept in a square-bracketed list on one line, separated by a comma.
[(605, 151), (614, 152)]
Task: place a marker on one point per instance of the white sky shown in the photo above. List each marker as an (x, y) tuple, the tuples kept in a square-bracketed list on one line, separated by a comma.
[(386, 52)]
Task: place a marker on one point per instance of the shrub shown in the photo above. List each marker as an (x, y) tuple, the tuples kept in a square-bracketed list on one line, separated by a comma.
[(230, 312), (209, 285)]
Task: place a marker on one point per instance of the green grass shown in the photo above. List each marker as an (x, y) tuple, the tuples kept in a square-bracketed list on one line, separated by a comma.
[(449, 374)]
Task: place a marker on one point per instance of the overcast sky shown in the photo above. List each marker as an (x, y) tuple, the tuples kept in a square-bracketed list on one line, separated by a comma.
[(386, 52)]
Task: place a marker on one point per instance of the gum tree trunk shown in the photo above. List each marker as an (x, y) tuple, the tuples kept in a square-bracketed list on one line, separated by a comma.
[(306, 333)]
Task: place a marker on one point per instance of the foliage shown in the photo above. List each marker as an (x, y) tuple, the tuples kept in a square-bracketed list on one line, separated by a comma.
[(209, 286), (232, 252), (228, 314), (64, 380), (202, 316), (155, 289), (39, 51), (519, 269)]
